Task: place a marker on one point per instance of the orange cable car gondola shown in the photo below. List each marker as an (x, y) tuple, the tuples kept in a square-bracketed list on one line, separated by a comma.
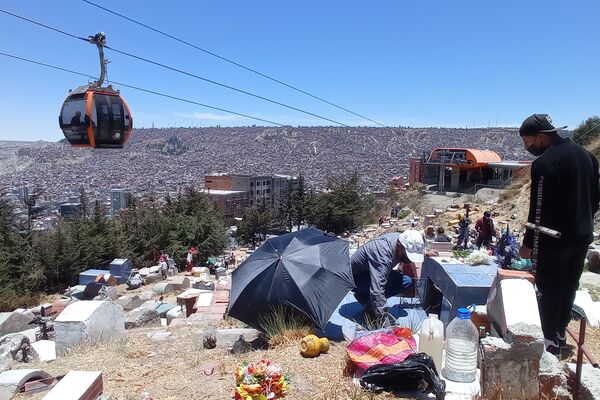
[(96, 116)]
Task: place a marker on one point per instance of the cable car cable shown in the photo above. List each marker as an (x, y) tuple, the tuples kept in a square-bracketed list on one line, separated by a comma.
[(231, 61), (141, 89), (181, 71)]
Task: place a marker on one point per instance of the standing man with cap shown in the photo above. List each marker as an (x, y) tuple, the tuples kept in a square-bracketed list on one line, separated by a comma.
[(373, 268), (568, 178)]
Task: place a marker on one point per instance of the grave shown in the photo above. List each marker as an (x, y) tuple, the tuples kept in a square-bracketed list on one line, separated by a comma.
[(88, 321), (77, 385), (121, 269), (15, 321), (163, 288), (13, 380), (141, 316), (179, 282), (45, 349)]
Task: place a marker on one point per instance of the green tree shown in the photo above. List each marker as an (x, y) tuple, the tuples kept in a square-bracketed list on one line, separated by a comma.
[(300, 201), (194, 221), (256, 221), (345, 206), (587, 131)]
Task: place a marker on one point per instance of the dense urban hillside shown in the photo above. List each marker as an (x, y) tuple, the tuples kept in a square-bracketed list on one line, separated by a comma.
[(167, 159)]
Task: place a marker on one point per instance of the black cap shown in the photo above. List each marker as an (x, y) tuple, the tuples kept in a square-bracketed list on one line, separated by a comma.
[(538, 123)]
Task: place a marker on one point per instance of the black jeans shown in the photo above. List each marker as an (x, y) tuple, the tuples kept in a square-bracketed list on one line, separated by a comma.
[(557, 278)]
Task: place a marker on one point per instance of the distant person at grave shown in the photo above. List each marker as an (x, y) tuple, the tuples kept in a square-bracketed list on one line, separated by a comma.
[(430, 233), (485, 230), (441, 236), (568, 202), (373, 269)]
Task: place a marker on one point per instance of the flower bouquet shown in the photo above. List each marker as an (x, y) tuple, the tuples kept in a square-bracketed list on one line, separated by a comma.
[(260, 381)]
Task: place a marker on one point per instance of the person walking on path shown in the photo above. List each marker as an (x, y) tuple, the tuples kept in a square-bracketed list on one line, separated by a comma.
[(568, 178)]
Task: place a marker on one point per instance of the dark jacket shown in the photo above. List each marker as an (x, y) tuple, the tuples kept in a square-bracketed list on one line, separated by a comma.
[(570, 194)]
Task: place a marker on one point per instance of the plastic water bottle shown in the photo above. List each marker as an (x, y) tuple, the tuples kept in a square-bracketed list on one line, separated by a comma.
[(431, 340), (462, 342)]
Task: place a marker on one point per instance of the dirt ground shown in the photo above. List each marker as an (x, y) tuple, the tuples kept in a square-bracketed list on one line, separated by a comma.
[(174, 369)]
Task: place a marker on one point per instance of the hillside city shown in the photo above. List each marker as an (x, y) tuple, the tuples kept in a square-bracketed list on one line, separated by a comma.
[(165, 161)]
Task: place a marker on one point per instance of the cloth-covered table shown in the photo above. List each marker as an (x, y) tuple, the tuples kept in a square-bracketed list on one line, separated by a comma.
[(459, 285)]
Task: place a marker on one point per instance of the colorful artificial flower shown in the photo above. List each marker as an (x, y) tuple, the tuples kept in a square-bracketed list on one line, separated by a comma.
[(260, 381)]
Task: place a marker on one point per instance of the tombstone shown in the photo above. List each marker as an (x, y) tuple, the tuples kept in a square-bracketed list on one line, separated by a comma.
[(144, 271), (513, 312), (175, 312), (129, 302), (141, 316), (77, 385), (512, 301), (88, 322), (121, 269), (204, 299), (153, 277), (163, 288), (15, 321), (179, 282), (45, 350), (147, 295), (13, 380)]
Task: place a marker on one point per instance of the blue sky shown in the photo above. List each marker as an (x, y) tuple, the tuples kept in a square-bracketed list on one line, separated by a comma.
[(401, 62)]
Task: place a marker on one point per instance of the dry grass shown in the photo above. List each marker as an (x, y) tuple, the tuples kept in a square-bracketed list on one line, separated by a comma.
[(173, 370)]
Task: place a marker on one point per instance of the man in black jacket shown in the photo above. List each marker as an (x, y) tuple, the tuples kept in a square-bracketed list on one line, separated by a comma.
[(569, 200)]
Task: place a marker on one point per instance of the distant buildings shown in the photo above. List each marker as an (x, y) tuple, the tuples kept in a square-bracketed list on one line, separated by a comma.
[(233, 193), (118, 200), (464, 169)]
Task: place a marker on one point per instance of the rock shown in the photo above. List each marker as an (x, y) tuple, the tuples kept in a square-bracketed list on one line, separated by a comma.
[(15, 321), (208, 368), (160, 336), (141, 316), (163, 288), (593, 258), (17, 347), (77, 385), (12, 381), (151, 304), (209, 338), (227, 337), (88, 321), (45, 349), (129, 302)]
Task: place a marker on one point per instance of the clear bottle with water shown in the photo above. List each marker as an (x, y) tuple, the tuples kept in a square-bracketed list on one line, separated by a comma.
[(462, 342)]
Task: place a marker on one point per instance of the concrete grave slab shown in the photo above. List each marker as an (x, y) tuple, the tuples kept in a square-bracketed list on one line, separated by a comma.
[(146, 295), (590, 381), (45, 349), (510, 302), (553, 378), (179, 282), (31, 334), (129, 302), (144, 271), (37, 310), (173, 313), (141, 316), (12, 381), (77, 385), (204, 299), (88, 321), (163, 288), (153, 277), (591, 308), (15, 321)]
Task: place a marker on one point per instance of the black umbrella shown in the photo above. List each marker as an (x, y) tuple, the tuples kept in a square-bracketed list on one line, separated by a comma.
[(307, 270)]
